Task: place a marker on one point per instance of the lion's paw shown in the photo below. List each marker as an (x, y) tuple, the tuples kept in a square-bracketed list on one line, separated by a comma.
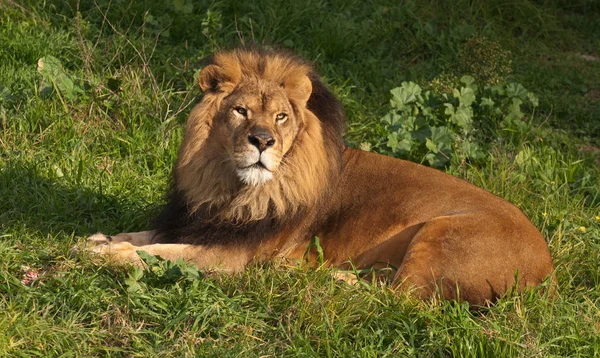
[(104, 245), (98, 240), (120, 252), (111, 249), (348, 277), (92, 241)]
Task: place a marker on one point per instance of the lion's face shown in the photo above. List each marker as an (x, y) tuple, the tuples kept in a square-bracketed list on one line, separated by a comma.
[(252, 148), (257, 126)]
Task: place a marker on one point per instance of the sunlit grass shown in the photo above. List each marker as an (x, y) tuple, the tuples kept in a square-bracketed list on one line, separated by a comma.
[(69, 168)]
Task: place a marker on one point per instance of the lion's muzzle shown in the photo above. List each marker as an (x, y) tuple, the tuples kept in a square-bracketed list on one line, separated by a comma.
[(261, 138)]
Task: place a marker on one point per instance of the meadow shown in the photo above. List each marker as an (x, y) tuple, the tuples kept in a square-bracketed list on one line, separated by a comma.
[(93, 101)]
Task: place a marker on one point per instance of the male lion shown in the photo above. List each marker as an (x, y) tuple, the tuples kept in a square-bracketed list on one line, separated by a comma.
[(262, 170)]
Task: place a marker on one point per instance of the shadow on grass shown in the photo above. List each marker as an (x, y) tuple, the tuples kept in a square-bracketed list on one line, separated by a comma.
[(40, 204)]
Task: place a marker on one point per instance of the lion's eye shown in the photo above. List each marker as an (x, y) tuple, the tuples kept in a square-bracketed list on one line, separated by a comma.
[(281, 117), (241, 110)]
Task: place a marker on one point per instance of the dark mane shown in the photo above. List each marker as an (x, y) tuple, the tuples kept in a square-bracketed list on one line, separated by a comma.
[(328, 109), (175, 224)]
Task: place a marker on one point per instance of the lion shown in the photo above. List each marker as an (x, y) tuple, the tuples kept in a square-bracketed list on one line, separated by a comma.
[(263, 170)]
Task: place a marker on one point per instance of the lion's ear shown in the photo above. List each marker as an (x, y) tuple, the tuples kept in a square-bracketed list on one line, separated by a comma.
[(215, 78), (298, 88)]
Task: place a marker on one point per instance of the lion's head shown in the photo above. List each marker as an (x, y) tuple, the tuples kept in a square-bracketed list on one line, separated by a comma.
[(256, 146)]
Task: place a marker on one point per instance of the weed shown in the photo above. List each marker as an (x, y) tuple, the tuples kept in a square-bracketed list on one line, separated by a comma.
[(442, 124)]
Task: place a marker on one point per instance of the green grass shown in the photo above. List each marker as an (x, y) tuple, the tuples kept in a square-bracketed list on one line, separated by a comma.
[(101, 162)]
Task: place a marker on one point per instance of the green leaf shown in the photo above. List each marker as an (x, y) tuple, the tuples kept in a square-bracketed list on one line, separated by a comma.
[(133, 286), (191, 272), (137, 273), (439, 146), (470, 150), (404, 146), (392, 119), (415, 110), (393, 140), (412, 123), (400, 141), (516, 90), (514, 110), (183, 6), (148, 259), (463, 117), (496, 90), (405, 94), (442, 137), (52, 71), (523, 157), (468, 82), (533, 99), (429, 104), (173, 272), (466, 95), (436, 160), (133, 278), (431, 145), (422, 134), (488, 102)]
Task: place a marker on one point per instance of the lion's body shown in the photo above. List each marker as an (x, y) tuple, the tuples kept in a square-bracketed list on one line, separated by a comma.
[(226, 210)]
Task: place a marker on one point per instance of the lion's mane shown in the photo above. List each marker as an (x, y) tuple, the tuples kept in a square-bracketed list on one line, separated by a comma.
[(206, 198)]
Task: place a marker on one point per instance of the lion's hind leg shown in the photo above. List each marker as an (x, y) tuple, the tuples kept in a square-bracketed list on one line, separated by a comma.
[(472, 258)]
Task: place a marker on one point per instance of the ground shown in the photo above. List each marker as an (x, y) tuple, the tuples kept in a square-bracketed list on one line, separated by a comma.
[(93, 97)]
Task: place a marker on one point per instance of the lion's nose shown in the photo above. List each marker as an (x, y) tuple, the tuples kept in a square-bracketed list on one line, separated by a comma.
[(261, 139)]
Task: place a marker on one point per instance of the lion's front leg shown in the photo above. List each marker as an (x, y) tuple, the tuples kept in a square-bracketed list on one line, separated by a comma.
[(126, 252), (140, 238), (123, 248)]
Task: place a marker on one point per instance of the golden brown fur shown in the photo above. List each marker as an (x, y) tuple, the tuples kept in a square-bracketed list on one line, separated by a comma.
[(262, 170)]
